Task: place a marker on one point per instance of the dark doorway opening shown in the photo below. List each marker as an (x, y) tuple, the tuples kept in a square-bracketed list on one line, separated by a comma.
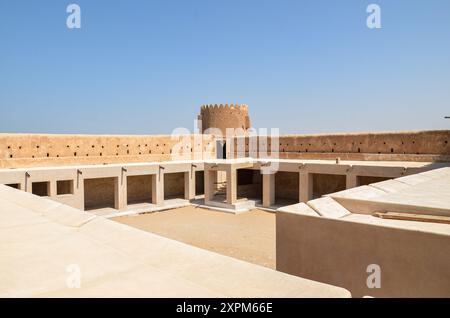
[(199, 182), (249, 184), (365, 180), (221, 149), (286, 188), (14, 185), (327, 183)]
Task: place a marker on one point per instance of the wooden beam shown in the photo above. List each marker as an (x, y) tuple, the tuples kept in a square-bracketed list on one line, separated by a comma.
[(413, 217)]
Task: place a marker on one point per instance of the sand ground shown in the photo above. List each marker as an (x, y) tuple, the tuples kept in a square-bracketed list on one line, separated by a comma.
[(248, 236)]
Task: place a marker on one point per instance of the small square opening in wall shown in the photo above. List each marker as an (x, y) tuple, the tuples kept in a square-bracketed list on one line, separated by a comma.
[(100, 193), (139, 189), (64, 187), (41, 188)]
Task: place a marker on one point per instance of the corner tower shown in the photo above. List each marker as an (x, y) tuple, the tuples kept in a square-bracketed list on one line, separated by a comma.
[(224, 116)]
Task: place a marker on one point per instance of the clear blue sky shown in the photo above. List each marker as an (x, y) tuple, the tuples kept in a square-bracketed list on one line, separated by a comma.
[(145, 67)]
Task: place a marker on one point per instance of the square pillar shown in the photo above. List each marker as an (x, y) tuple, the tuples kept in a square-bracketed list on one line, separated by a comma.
[(120, 192), (268, 195), (189, 185), (351, 180), (78, 190), (210, 179), (158, 188), (27, 183), (306, 186), (231, 185), (52, 188)]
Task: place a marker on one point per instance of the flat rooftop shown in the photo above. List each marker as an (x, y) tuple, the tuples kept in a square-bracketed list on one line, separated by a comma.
[(400, 225), (407, 164), (45, 243)]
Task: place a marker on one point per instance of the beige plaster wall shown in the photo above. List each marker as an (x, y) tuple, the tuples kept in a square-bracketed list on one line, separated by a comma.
[(31, 150), (413, 263), (136, 182)]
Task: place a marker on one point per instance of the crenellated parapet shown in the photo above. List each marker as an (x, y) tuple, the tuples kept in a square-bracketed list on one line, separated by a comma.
[(224, 107)]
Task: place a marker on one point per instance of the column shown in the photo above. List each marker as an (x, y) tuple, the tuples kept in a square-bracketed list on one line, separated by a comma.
[(120, 192), (268, 195), (210, 179), (306, 186), (231, 185), (27, 183), (351, 180), (158, 188), (78, 190), (189, 185), (52, 191)]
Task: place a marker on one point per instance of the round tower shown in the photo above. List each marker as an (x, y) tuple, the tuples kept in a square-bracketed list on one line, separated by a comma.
[(224, 116)]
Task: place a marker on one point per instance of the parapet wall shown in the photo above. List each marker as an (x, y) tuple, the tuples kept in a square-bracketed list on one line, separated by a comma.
[(28, 150), (32, 150), (224, 116), (430, 145)]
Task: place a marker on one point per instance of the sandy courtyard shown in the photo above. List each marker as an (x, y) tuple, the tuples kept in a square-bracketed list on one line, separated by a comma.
[(248, 236)]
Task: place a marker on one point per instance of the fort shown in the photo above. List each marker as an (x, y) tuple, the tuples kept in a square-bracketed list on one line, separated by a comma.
[(331, 205)]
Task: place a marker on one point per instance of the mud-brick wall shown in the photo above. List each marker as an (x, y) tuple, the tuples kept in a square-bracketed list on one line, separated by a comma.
[(27, 150), (433, 145)]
